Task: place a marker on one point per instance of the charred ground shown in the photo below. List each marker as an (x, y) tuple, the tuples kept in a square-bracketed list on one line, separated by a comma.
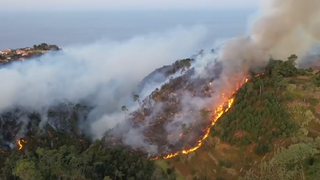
[(156, 113)]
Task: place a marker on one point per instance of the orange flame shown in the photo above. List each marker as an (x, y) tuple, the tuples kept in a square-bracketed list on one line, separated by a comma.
[(20, 141), (153, 159), (171, 155), (218, 113), (259, 75)]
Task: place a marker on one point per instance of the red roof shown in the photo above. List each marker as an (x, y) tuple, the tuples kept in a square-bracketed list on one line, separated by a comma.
[(6, 51), (20, 51)]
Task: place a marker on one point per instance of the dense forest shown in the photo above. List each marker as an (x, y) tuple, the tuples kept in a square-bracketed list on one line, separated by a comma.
[(259, 114), (57, 155)]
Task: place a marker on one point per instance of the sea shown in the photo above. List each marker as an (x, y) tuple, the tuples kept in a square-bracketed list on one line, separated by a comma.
[(22, 29)]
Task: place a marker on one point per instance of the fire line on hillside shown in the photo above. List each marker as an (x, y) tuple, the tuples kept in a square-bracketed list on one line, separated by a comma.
[(217, 114)]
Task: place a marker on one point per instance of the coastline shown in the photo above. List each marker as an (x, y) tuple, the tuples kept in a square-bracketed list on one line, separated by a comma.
[(21, 54)]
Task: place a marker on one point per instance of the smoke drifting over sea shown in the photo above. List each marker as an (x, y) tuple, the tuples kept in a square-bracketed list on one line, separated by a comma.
[(105, 76), (102, 74), (111, 67)]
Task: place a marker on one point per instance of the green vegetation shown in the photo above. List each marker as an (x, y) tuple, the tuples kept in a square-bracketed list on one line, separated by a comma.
[(53, 156), (27, 53), (170, 173), (182, 65), (316, 80), (295, 162), (271, 132), (259, 113), (46, 47)]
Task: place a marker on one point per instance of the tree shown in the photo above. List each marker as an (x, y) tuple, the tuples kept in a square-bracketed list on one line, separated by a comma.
[(293, 58), (287, 164), (54, 47), (136, 99), (124, 109), (118, 173), (317, 140), (27, 170)]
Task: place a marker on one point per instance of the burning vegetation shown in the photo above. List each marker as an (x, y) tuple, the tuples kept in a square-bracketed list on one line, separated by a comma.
[(194, 96), (162, 117), (216, 115), (169, 118), (20, 143), (51, 143)]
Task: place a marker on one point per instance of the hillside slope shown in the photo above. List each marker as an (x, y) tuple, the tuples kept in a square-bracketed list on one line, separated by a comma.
[(273, 127)]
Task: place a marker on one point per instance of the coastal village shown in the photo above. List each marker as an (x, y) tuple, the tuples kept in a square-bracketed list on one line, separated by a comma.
[(11, 55)]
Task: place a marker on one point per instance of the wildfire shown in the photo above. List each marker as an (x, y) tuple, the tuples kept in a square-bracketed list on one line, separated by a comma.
[(259, 75), (218, 113), (20, 141), (171, 155), (153, 159)]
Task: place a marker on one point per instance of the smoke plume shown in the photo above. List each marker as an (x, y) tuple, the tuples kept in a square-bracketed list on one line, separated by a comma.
[(287, 27), (281, 28), (103, 74), (106, 75)]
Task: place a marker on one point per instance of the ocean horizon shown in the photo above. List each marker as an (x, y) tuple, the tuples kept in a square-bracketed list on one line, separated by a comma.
[(24, 29)]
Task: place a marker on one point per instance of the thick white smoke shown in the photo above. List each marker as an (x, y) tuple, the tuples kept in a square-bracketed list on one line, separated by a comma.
[(281, 28), (287, 27), (106, 73)]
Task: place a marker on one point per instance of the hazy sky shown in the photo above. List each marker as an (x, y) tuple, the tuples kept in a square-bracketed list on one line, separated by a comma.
[(123, 4)]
